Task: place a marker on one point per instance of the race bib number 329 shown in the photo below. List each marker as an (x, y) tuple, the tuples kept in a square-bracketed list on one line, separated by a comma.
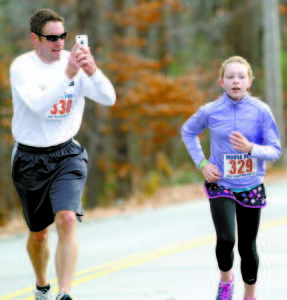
[(239, 165)]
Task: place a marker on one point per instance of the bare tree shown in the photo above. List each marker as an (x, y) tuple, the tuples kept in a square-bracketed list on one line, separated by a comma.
[(273, 80), (123, 185), (95, 115)]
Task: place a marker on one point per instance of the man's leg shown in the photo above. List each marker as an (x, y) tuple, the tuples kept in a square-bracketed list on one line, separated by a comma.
[(67, 250), (38, 250)]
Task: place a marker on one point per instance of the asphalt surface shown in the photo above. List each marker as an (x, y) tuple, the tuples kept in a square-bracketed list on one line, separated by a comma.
[(157, 254)]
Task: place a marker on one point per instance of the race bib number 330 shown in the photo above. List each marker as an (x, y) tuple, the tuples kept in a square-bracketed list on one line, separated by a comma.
[(239, 165), (61, 109)]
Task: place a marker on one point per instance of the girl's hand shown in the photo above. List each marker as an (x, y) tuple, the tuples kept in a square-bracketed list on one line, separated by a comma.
[(211, 172), (239, 142)]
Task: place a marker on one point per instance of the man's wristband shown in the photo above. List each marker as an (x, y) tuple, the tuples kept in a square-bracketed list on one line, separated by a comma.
[(203, 163)]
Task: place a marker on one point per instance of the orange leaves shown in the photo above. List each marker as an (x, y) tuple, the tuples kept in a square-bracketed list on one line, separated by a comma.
[(151, 105), (157, 93), (6, 122), (283, 9), (140, 15), (130, 41), (155, 106), (5, 101), (122, 169), (127, 67), (144, 14), (4, 78)]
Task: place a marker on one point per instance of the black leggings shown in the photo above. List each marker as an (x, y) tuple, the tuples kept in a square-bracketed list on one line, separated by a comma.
[(223, 211)]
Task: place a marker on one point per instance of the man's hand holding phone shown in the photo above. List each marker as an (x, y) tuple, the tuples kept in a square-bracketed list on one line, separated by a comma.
[(85, 58), (81, 57)]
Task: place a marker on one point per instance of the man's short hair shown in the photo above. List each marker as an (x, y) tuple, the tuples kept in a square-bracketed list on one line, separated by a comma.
[(41, 17)]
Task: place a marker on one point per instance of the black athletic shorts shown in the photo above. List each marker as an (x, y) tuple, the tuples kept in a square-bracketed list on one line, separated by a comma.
[(49, 180)]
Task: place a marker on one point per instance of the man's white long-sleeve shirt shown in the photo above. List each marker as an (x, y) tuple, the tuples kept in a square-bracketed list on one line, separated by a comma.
[(48, 106)]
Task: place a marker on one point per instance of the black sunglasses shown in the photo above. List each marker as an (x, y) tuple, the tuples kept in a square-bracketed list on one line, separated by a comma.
[(52, 37)]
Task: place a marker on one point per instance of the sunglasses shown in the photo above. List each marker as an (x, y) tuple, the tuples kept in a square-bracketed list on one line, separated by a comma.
[(52, 37)]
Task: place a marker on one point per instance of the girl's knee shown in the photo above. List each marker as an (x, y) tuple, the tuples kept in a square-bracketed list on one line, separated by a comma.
[(248, 251), (225, 244)]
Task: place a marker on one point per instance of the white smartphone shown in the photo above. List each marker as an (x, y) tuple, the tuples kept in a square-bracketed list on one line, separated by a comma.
[(82, 39)]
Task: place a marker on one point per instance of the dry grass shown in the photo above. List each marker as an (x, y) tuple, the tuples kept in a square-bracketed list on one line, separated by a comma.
[(164, 196)]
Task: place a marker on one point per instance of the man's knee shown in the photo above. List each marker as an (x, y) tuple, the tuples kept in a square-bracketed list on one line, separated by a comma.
[(65, 219), (39, 238)]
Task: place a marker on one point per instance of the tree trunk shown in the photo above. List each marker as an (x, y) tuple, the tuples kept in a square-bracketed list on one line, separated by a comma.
[(273, 80), (242, 31), (123, 184), (94, 117)]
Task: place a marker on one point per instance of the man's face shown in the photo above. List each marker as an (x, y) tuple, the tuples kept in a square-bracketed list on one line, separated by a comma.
[(47, 50)]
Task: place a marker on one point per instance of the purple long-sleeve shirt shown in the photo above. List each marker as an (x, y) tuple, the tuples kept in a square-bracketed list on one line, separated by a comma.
[(249, 116)]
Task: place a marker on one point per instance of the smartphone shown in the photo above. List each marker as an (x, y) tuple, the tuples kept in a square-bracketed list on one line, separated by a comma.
[(82, 39)]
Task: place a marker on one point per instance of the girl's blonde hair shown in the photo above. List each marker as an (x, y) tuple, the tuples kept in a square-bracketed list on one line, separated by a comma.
[(238, 59)]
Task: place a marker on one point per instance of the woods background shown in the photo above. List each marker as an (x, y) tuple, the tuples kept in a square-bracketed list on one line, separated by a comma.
[(163, 58)]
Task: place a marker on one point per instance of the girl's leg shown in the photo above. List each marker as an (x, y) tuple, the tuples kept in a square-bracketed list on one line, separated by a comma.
[(248, 220), (223, 215)]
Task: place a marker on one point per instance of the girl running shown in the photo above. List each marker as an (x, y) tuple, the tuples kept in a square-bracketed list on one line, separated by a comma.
[(243, 135)]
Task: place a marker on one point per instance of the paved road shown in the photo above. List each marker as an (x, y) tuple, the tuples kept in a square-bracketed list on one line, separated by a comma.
[(157, 254)]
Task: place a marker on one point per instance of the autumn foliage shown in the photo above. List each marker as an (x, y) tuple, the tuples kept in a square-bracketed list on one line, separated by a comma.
[(151, 104)]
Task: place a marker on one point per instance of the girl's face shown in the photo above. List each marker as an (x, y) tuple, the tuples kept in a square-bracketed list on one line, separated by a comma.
[(236, 80)]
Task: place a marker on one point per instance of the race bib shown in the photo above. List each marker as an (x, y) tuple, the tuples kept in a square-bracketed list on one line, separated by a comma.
[(239, 165), (62, 109)]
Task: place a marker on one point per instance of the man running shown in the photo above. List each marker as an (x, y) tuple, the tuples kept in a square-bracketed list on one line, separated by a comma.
[(49, 168)]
